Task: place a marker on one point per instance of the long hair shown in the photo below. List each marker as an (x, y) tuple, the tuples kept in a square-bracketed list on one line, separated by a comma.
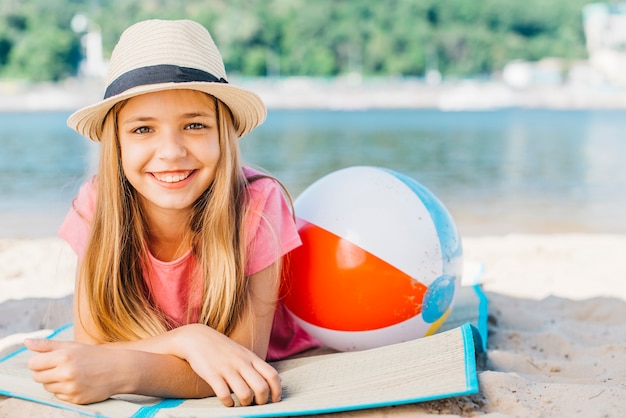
[(111, 273)]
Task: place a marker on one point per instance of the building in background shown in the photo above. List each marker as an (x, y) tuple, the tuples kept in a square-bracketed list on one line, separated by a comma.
[(93, 64), (605, 33)]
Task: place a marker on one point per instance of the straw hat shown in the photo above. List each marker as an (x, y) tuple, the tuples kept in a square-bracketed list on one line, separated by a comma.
[(156, 55)]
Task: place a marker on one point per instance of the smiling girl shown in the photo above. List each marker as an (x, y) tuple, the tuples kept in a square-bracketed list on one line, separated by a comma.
[(179, 245)]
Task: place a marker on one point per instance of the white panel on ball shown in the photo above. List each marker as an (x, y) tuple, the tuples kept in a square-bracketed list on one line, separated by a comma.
[(374, 210)]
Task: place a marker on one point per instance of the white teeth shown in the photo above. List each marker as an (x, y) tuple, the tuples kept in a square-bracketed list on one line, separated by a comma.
[(172, 178)]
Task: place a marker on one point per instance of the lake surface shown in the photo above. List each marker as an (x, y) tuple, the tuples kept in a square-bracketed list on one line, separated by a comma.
[(505, 171)]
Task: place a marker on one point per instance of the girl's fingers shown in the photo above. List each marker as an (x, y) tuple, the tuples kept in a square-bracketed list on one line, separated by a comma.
[(248, 384), (271, 377), (44, 345), (221, 389), (55, 388), (241, 388), (45, 377), (48, 353), (61, 391), (41, 362), (256, 383), (258, 388), (66, 392)]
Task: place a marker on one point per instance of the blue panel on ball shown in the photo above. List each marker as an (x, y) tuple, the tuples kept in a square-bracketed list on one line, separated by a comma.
[(438, 298)]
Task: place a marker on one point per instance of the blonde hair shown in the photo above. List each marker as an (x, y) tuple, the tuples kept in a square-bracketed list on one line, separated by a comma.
[(118, 297)]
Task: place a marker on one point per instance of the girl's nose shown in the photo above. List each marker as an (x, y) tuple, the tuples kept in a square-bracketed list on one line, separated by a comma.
[(171, 146)]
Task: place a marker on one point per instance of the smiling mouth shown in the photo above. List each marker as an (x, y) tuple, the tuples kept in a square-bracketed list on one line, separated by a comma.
[(172, 177)]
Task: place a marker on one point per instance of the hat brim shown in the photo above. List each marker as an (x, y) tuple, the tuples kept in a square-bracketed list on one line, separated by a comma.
[(247, 108)]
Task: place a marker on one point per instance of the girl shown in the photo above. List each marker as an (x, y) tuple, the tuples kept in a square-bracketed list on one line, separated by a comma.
[(179, 246)]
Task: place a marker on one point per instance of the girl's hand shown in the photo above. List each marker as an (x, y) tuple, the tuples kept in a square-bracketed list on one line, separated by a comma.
[(85, 373), (75, 372), (227, 366)]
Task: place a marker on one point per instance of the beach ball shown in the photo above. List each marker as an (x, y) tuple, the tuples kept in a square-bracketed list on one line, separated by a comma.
[(380, 263)]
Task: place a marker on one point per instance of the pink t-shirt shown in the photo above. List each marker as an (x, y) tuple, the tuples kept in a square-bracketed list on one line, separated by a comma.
[(271, 234)]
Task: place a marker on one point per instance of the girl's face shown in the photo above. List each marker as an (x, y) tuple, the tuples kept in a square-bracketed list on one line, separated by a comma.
[(169, 146)]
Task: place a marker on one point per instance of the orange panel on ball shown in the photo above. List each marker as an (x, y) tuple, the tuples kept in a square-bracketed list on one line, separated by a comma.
[(334, 284)]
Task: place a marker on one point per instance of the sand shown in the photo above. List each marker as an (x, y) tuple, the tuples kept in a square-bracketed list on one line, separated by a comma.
[(557, 343)]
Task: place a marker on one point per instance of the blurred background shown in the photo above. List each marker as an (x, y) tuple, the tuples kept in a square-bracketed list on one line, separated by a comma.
[(511, 112)]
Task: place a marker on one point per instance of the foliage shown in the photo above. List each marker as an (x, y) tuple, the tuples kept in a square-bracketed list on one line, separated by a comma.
[(461, 38)]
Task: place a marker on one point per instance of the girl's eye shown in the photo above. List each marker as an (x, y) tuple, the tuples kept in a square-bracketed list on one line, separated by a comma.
[(195, 125), (142, 130)]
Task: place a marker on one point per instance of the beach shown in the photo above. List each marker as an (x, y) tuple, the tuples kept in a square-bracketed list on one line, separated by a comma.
[(556, 328), (350, 92)]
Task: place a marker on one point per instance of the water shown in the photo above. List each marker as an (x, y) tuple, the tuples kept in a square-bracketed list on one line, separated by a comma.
[(497, 172)]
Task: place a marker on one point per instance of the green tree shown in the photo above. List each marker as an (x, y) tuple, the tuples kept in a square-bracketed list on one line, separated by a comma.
[(56, 57), (462, 38)]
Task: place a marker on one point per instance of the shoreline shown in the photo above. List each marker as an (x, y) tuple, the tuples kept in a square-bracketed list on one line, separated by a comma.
[(544, 260), (345, 93), (475, 218), (471, 219)]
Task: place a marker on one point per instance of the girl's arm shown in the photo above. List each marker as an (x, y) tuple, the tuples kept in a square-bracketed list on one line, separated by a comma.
[(85, 373), (187, 362)]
